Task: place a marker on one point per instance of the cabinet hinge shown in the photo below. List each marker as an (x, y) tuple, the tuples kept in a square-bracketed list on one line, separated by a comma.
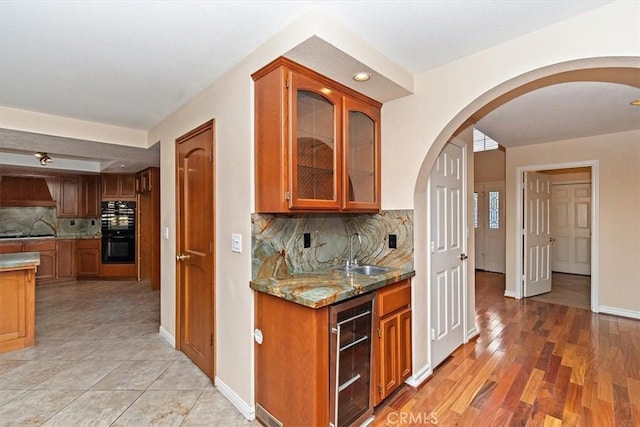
[(380, 389), (433, 334), (379, 333), (288, 83), (287, 196)]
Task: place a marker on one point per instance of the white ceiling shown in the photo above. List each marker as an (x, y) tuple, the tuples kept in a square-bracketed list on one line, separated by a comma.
[(131, 63)]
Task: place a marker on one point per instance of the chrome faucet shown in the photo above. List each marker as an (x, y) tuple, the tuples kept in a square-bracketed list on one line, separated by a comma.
[(352, 261)]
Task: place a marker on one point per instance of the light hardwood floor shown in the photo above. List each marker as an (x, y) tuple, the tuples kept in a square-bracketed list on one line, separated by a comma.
[(533, 364), (568, 289)]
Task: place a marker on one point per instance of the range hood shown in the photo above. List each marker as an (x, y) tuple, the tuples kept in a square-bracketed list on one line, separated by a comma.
[(21, 191)]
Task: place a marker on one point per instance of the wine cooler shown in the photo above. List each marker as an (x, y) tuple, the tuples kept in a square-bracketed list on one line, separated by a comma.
[(351, 361)]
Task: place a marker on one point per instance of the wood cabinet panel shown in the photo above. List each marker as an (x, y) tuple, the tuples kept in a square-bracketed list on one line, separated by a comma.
[(305, 125), (118, 186), (89, 197), (10, 247), (88, 258), (66, 259), (48, 260), (67, 201), (17, 309), (148, 226), (392, 351), (294, 355)]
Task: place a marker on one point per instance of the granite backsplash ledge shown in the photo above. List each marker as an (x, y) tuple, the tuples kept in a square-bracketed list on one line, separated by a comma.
[(42, 221), (277, 241)]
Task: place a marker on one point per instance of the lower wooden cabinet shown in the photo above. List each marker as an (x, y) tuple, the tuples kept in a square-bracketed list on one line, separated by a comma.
[(48, 268), (88, 258), (392, 350), (66, 258), (17, 309)]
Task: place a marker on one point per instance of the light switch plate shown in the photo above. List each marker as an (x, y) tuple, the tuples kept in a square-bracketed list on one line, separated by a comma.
[(236, 242)]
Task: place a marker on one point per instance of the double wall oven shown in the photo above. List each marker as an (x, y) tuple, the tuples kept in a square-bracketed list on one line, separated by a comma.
[(118, 232)]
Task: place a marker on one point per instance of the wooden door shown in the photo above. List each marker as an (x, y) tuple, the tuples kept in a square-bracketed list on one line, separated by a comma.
[(448, 246), (195, 255), (571, 228), (537, 234)]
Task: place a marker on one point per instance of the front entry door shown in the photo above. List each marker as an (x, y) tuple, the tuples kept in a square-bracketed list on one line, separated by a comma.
[(537, 234), (195, 255), (448, 245)]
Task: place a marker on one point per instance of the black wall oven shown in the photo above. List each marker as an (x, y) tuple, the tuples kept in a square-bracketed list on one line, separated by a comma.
[(118, 232)]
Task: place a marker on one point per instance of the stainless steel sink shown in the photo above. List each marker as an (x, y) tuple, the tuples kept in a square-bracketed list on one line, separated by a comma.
[(368, 270)]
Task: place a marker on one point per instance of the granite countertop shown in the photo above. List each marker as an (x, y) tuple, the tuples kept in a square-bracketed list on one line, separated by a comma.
[(19, 261), (69, 237), (322, 288)]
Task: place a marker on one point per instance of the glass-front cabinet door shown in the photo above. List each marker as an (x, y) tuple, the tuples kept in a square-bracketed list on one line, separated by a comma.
[(315, 149), (361, 164)]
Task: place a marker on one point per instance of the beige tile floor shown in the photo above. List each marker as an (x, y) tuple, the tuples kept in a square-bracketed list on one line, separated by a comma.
[(99, 361)]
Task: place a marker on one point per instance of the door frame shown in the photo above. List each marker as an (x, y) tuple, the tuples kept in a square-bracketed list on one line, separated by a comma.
[(595, 224)]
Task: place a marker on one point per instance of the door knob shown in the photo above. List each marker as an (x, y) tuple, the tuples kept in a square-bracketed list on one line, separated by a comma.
[(463, 257), (552, 239), (182, 257)]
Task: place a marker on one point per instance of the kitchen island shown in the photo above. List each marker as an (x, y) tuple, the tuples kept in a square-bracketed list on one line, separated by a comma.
[(17, 300)]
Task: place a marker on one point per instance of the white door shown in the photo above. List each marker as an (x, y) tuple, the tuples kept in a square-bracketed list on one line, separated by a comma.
[(571, 228), (448, 246), (537, 234), (490, 235)]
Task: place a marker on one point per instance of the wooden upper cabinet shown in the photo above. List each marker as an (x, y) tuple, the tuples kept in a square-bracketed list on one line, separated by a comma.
[(89, 205), (118, 187), (317, 143), (67, 201)]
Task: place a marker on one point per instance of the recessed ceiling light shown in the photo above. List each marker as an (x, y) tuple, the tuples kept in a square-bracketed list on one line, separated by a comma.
[(361, 76), (636, 102)]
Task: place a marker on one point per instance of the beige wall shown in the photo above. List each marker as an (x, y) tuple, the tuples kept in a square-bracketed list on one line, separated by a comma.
[(618, 157), (489, 166)]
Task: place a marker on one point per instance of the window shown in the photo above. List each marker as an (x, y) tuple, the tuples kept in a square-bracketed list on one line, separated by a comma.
[(475, 210), (482, 142), (494, 210)]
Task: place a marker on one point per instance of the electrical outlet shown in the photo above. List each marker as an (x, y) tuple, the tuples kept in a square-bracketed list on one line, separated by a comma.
[(307, 240), (393, 244), (72, 222)]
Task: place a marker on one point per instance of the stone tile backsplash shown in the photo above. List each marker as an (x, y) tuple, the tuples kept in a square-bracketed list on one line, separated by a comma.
[(277, 242), (38, 221)]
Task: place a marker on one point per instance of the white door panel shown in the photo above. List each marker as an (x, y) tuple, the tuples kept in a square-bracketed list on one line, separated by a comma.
[(537, 234), (447, 280), (571, 228), (490, 234)]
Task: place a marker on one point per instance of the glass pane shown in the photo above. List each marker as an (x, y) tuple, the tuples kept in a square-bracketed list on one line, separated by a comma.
[(315, 147), (361, 157), (475, 210), (494, 210)]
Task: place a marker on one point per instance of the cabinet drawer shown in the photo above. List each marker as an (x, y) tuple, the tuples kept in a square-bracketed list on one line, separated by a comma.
[(49, 245), (394, 297)]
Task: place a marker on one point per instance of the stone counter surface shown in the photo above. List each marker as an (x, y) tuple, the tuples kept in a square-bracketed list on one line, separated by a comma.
[(19, 261), (322, 288)]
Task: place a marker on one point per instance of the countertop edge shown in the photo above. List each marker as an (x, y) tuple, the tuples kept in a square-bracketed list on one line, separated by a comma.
[(19, 261), (352, 286)]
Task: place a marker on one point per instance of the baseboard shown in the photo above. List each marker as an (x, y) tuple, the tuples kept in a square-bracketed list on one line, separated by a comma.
[(419, 377), (619, 312), (472, 333), (509, 294), (247, 411), (167, 336)]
